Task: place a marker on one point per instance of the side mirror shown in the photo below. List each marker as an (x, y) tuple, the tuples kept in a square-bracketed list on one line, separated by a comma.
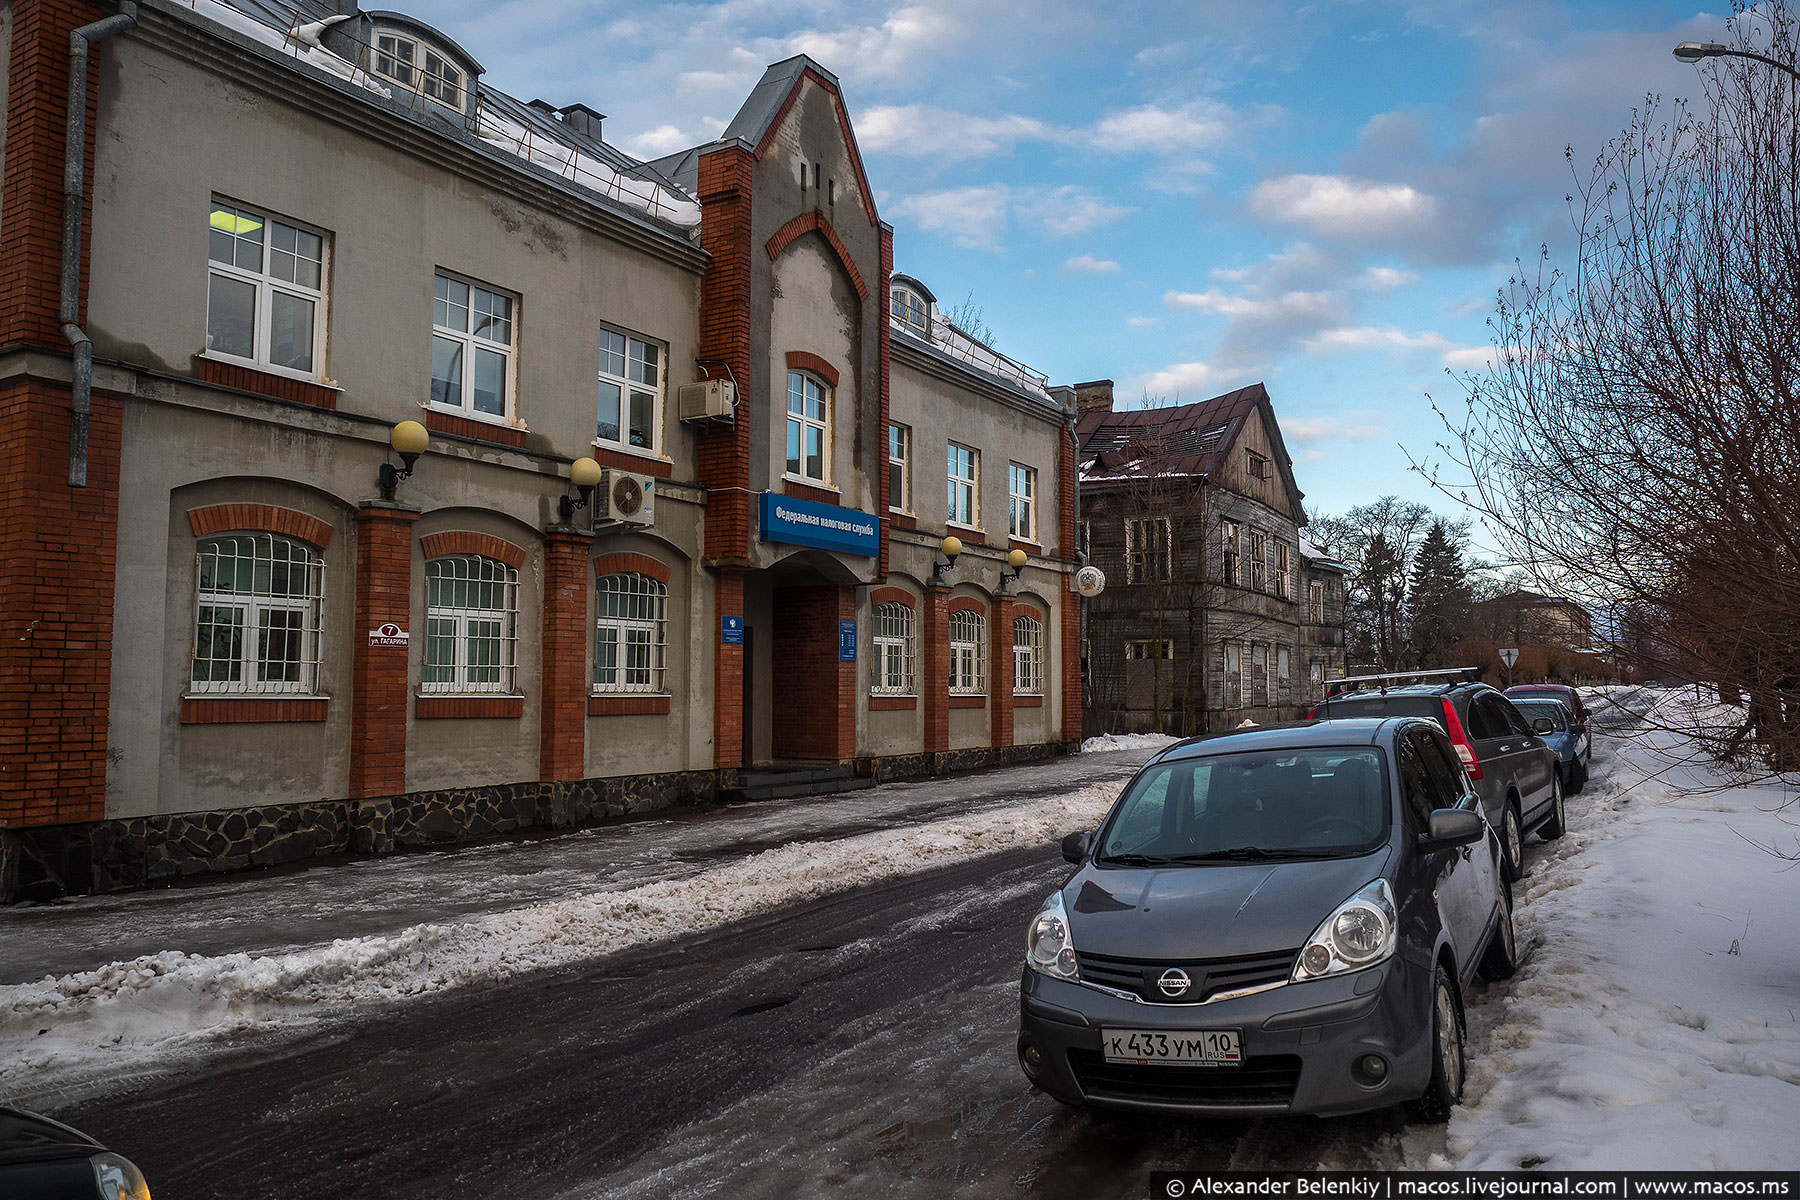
[(1453, 827), (1543, 725), (1075, 847)]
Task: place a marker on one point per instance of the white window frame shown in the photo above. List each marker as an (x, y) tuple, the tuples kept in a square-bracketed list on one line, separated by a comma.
[(968, 657), (900, 454), (471, 343), (474, 573), (636, 369), (251, 661), (1139, 559), (1028, 655), (909, 308), (266, 280), (892, 670), (626, 671), (400, 57), (966, 487), (1021, 502), (798, 423)]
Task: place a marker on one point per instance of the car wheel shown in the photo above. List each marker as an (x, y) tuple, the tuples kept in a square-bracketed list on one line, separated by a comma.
[(1501, 958), (1512, 842), (1445, 1089), (1555, 824), (1581, 777)]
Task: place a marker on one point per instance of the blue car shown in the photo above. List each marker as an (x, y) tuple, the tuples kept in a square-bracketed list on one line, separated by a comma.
[(1559, 736)]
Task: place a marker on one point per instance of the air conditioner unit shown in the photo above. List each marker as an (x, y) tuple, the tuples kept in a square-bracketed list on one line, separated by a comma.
[(708, 400), (626, 499)]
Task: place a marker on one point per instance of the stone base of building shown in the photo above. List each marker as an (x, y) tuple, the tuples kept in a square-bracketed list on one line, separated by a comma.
[(92, 857)]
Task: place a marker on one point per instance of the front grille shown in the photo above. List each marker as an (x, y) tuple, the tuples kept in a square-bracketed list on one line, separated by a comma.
[(1210, 976), (1265, 1080)]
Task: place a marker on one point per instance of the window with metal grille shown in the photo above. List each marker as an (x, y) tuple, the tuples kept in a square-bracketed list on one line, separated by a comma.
[(472, 343), (808, 430), (631, 636), (968, 675), (265, 291), (1021, 501), (1028, 656), (259, 602), (471, 625), (1147, 544), (891, 674)]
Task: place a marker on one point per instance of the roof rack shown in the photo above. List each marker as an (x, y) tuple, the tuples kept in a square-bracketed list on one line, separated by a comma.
[(1383, 679)]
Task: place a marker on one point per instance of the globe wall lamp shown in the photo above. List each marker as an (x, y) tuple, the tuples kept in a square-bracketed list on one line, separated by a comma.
[(584, 473), (1016, 560), (408, 439), (1693, 52), (951, 548)]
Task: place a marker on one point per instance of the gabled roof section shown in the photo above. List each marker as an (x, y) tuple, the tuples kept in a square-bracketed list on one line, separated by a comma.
[(769, 101), (1184, 440)]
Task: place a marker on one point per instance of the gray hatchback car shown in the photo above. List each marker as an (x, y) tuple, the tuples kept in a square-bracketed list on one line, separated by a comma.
[(1273, 921)]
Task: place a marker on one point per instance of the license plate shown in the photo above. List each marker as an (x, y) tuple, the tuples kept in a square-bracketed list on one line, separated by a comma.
[(1200, 1047)]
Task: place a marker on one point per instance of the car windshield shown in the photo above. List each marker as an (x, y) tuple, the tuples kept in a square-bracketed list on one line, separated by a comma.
[(1310, 802), (1531, 710)]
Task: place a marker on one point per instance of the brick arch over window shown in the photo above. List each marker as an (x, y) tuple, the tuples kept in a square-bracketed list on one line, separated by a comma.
[(438, 545), (813, 222), (264, 518), (968, 604), (626, 564), (893, 595), (805, 360)]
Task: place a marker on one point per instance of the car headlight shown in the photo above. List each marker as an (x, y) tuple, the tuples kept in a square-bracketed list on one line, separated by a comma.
[(118, 1179), (1049, 947), (1361, 933)]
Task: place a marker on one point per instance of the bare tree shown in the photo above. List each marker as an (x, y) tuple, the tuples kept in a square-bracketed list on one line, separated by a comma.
[(1639, 429)]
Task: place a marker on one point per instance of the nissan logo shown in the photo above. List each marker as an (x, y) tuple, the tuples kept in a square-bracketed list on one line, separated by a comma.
[(1173, 982)]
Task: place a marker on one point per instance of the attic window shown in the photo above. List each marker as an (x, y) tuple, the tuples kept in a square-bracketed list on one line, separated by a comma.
[(908, 308), (1259, 466), (419, 68), (1113, 439), (1199, 441)]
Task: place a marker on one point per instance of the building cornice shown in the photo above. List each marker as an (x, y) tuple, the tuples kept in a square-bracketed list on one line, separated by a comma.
[(904, 352)]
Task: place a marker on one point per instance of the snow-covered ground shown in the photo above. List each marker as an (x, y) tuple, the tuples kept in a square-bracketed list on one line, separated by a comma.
[(1127, 741), (1655, 1022)]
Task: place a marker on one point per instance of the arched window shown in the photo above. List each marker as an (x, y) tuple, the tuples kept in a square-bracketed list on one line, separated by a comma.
[(631, 634), (1028, 656), (892, 673), (908, 308), (257, 617), (471, 625), (967, 676), (808, 427)]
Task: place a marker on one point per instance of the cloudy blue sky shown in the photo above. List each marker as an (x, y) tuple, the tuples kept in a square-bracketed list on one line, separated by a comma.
[(1182, 197)]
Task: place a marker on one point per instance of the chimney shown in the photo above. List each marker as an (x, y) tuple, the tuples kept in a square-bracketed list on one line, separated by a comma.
[(582, 120), (543, 106), (1094, 397)]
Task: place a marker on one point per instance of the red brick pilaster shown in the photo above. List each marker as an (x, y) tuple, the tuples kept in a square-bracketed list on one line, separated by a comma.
[(562, 746), (728, 672), (57, 566), (883, 358), (845, 699), (725, 179), (1000, 673), (1069, 608), (934, 666), (380, 675)]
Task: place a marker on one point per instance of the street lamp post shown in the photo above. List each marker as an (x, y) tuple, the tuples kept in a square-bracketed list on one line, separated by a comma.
[(1693, 52)]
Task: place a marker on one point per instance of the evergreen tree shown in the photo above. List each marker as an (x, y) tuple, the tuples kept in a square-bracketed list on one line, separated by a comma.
[(1440, 597)]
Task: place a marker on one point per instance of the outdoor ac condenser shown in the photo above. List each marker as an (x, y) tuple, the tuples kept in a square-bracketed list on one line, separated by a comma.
[(708, 400), (629, 499)]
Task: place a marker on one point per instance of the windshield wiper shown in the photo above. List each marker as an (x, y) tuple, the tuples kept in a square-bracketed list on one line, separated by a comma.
[(1139, 860), (1250, 854)]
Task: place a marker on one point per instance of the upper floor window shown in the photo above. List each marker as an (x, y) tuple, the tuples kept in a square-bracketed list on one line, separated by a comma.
[(418, 68), (892, 672), (1147, 550), (909, 309), (265, 294), (965, 486), (1284, 565), (1145, 649), (1232, 540), (471, 625), (1258, 464), (1021, 502), (1315, 602), (473, 339), (257, 619), (1028, 656), (968, 676), (630, 391), (808, 432), (899, 462), (1259, 560), (632, 633)]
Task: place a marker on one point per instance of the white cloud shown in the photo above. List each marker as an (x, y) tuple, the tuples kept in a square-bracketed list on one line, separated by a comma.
[(972, 216), (1068, 210), (1087, 264), (1142, 322), (1191, 381), (664, 139), (1350, 341), (921, 131), (886, 51), (1285, 306), (1477, 358), (1155, 130), (1386, 279), (1343, 206), (1318, 429)]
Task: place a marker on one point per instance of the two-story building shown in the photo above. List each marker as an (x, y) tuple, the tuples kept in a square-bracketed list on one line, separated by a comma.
[(389, 460)]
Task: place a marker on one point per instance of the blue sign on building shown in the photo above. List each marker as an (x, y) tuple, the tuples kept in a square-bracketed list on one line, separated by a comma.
[(808, 523), (731, 631), (846, 641)]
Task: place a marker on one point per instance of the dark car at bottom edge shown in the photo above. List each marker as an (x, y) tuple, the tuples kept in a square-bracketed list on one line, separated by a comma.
[(1273, 921), (42, 1159)]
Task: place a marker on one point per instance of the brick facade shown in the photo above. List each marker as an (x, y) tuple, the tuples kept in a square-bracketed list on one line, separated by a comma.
[(818, 719), (728, 671), (1070, 608), (562, 706), (934, 666), (380, 675), (1000, 673)]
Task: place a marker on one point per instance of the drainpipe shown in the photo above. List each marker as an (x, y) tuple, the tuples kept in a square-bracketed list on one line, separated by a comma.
[(81, 383)]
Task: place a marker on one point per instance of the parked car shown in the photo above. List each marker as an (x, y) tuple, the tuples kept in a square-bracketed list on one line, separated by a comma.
[(41, 1159), (1513, 769), (1272, 921), (1580, 716), (1550, 721)]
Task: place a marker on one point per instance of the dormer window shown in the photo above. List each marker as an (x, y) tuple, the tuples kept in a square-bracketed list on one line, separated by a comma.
[(909, 309), (420, 68)]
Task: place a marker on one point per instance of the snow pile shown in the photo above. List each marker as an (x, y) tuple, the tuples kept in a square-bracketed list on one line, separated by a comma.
[(317, 55), (171, 1001), (1127, 741), (1654, 1023)]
